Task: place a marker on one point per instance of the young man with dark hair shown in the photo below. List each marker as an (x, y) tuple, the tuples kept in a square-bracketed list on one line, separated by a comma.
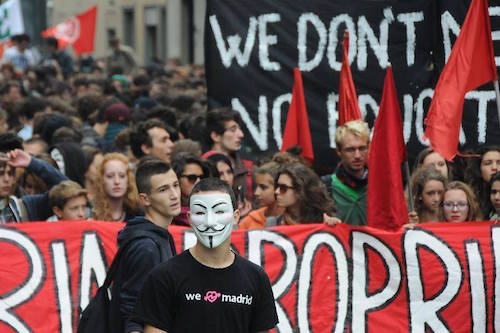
[(208, 288), (159, 193), (151, 137), (225, 136)]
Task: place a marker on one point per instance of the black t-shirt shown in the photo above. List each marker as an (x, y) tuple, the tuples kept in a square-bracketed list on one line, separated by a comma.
[(182, 295)]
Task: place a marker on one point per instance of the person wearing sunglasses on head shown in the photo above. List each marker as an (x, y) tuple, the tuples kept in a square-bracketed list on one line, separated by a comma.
[(189, 168), (460, 204), (302, 195)]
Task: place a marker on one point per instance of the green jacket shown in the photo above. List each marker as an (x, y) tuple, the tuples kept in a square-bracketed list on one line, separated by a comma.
[(350, 203)]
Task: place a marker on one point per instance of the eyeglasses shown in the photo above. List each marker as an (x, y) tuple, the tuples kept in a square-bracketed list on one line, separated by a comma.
[(460, 205), (192, 178), (283, 188), (352, 150)]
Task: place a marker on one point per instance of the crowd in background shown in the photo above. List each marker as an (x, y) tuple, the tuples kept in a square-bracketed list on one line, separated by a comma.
[(72, 132)]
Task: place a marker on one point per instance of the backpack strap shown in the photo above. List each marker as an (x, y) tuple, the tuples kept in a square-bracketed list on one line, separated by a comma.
[(110, 275)]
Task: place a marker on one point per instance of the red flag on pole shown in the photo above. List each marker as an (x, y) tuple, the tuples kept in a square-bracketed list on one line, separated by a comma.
[(471, 64), (78, 31), (348, 100), (386, 206), (297, 123)]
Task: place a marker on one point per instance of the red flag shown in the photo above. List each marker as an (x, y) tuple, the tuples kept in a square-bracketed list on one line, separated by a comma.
[(386, 207), (470, 65), (348, 100), (297, 123), (78, 31)]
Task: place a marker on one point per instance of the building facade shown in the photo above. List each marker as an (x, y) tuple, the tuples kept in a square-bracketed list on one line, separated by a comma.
[(154, 29)]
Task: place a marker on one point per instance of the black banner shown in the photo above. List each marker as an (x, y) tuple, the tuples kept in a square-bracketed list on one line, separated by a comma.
[(251, 48)]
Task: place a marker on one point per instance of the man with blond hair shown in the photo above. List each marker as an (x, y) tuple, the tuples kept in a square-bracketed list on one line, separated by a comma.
[(348, 184)]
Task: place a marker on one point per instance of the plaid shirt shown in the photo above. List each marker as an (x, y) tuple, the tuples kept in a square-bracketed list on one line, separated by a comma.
[(9, 212)]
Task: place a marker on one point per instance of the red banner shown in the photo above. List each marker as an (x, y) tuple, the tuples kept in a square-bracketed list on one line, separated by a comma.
[(438, 277)]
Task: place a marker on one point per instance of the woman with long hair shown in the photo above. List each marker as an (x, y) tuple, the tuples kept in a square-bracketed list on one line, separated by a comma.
[(428, 186), (479, 172), (116, 193), (459, 203), (495, 196), (302, 195)]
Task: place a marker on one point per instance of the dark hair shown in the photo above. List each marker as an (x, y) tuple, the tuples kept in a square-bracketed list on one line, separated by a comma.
[(66, 134), (216, 119), (51, 41), (476, 181), (74, 160), (88, 104), (47, 124), (216, 158), (183, 159), (163, 113), (90, 153), (214, 184), (10, 141), (31, 105), (147, 169), (312, 196), (139, 135)]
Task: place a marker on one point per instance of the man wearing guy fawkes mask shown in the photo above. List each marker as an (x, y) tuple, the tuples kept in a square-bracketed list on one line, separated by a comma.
[(208, 288)]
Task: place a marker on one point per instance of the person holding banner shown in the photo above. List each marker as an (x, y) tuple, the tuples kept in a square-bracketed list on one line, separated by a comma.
[(302, 195), (268, 213), (208, 288), (460, 204), (348, 185), (428, 186), (68, 201)]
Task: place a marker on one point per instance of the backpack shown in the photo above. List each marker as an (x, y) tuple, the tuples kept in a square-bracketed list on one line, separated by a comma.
[(96, 316)]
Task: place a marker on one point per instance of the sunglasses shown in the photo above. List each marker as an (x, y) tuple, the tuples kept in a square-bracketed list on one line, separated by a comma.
[(283, 188), (192, 178)]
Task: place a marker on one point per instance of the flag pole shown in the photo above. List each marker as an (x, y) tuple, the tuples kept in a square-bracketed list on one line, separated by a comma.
[(410, 193), (497, 94)]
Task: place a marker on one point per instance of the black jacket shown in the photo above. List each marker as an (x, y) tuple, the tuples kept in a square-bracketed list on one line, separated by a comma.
[(139, 258)]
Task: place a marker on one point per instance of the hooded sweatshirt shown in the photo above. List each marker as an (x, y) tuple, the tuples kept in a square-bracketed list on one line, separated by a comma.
[(139, 258)]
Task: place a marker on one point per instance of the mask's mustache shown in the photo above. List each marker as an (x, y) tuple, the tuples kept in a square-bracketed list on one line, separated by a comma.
[(210, 228)]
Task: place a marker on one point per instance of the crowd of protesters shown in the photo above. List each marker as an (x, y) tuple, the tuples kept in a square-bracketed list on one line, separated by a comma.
[(72, 133), (104, 139)]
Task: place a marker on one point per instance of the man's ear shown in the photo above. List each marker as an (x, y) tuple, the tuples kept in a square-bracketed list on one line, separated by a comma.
[(215, 137), (236, 216), (144, 199), (189, 217), (58, 212), (146, 149), (337, 150)]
